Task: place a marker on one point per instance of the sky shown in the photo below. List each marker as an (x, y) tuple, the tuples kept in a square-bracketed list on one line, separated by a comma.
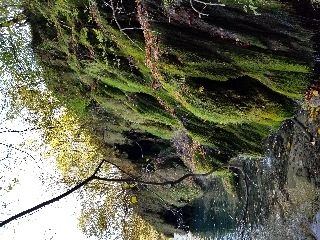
[(38, 181)]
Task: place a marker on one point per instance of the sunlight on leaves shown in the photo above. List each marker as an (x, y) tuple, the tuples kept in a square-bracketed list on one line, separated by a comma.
[(76, 152), (134, 199)]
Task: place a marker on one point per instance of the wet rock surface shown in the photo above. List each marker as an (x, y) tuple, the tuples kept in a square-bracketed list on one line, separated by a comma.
[(277, 196), (295, 161)]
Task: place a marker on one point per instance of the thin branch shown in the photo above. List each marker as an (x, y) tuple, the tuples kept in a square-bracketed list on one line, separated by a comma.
[(210, 4), (98, 168), (64, 25), (111, 5), (7, 130), (132, 28), (43, 204), (18, 149), (197, 11), (55, 199), (170, 183), (86, 181), (205, 5), (140, 149)]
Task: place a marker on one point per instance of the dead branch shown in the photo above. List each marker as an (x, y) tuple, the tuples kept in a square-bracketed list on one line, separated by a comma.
[(205, 4), (43, 204), (114, 10)]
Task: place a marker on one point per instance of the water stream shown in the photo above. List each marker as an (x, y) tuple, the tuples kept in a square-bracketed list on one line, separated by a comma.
[(277, 196)]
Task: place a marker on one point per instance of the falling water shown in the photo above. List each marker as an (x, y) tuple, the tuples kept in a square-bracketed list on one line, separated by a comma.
[(282, 193)]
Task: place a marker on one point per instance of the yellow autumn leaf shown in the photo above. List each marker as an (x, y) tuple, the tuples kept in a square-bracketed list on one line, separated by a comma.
[(132, 185), (315, 93), (126, 185), (288, 145), (134, 199), (201, 89), (319, 131)]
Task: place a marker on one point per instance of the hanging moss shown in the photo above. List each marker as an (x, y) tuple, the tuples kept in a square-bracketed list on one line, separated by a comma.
[(228, 78)]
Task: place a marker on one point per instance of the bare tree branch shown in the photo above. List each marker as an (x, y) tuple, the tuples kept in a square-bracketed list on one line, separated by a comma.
[(43, 204), (7, 130), (98, 168), (95, 177), (209, 3), (114, 12), (55, 199), (89, 179), (18, 149), (205, 5), (170, 183), (132, 28)]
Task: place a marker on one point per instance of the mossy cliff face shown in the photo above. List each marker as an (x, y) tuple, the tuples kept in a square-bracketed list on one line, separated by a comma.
[(227, 79), (210, 87)]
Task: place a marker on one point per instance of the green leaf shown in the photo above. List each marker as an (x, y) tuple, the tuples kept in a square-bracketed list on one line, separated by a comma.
[(245, 8), (252, 7), (134, 199)]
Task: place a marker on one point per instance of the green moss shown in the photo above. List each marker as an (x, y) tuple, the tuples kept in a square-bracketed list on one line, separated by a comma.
[(197, 66), (157, 129), (282, 75), (152, 110), (258, 4), (180, 194), (228, 181), (226, 95), (227, 80)]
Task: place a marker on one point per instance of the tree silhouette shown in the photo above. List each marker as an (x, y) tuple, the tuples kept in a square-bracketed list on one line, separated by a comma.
[(95, 176)]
